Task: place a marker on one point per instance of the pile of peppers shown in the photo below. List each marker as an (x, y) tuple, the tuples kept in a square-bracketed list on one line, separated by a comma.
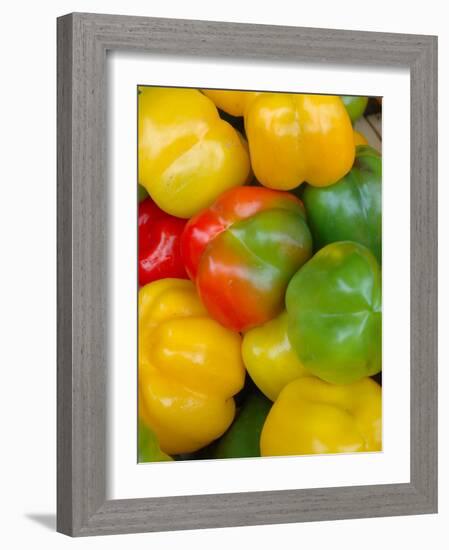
[(259, 272)]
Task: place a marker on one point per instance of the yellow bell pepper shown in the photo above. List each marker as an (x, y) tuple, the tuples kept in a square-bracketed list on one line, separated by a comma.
[(189, 367), (269, 357), (311, 416), (293, 137), (359, 138), (188, 155), (233, 102)]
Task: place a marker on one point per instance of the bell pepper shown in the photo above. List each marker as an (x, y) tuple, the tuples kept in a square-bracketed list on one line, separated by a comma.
[(233, 102), (142, 193), (189, 367), (242, 440), (159, 244), (355, 105), (149, 450), (242, 252), (311, 416), (359, 139), (293, 137), (269, 357), (334, 313), (352, 208), (187, 155)]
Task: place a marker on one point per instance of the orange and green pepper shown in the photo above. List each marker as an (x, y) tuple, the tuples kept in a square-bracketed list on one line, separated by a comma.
[(242, 251)]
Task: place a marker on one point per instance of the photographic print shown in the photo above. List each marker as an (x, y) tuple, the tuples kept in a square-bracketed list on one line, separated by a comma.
[(259, 274), (220, 249)]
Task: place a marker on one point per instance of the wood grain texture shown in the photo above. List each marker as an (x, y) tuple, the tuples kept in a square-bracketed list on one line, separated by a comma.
[(83, 40), (64, 277), (423, 273)]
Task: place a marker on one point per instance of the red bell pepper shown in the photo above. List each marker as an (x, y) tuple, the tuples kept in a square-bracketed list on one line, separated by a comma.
[(159, 244)]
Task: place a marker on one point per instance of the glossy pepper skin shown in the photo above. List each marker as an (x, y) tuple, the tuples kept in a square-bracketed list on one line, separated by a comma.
[(269, 357), (334, 313), (159, 244), (355, 105), (189, 368), (233, 102), (188, 155), (311, 416), (243, 437), (149, 450), (242, 252), (293, 137), (352, 208)]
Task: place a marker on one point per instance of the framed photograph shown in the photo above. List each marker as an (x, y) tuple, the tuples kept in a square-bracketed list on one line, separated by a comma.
[(247, 274)]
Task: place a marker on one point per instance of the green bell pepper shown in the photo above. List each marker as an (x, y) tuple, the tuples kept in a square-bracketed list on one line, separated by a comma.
[(355, 105), (334, 313), (242, 439), (142, 193), (149, 450), (351, 209)]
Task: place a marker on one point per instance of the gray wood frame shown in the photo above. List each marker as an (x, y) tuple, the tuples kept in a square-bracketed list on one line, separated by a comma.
[(83, 40)]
